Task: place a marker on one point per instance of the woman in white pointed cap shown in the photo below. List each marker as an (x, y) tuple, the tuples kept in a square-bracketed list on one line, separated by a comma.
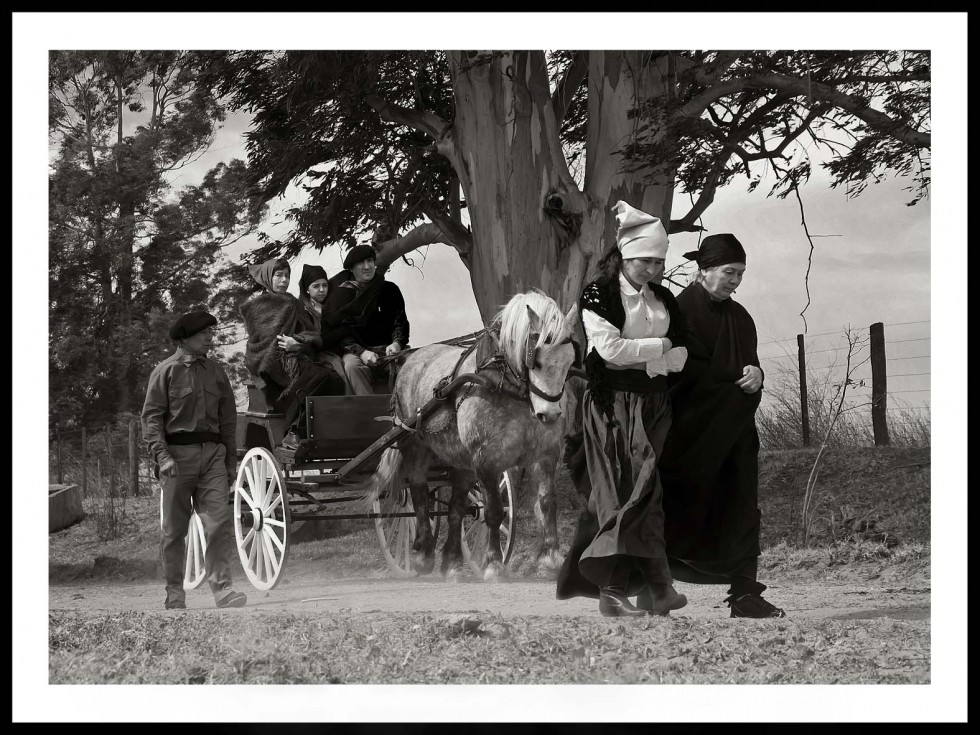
[(633, 328)]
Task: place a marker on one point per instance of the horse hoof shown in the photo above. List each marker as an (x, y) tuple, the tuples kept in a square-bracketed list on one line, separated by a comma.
[(422, 564), (550, 563), (455, 574), (495, 572)]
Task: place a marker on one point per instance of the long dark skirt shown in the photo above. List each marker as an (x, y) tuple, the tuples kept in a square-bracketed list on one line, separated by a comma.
[(307, 378), (623, 527)]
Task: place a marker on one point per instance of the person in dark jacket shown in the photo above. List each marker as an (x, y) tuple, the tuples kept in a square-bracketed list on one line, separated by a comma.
[(633, 329), (188, 424), (282, 347), (710, 463), (364, 320)]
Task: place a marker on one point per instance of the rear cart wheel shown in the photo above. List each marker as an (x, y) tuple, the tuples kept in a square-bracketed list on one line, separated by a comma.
[(194, 572), (261, 515), (476, 537), (397, 533)]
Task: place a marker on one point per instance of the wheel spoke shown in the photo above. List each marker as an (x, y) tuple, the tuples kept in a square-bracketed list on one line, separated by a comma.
[(248, 537), (248, 499), (274, 538), (275, 522), (276, 502), (267, 556)]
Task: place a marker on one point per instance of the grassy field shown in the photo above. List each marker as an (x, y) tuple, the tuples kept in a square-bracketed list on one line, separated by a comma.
[(874, 506)]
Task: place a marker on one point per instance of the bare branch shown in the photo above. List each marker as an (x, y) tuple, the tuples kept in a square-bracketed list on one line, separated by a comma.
[(425, 122), (425, 234)]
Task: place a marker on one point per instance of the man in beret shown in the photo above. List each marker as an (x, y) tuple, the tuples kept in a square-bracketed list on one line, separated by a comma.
[(364, 319), (188, 424)]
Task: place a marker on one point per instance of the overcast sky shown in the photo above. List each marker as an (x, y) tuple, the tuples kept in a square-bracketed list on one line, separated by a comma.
[(878, 270)]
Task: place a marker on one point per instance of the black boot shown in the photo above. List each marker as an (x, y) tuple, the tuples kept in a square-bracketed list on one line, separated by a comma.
[(613, 602)]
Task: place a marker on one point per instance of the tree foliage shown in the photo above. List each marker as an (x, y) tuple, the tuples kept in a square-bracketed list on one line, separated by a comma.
[(126, 250), (362, 131)]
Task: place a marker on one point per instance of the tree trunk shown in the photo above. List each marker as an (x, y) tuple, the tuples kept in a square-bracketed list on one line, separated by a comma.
[(532, 225)]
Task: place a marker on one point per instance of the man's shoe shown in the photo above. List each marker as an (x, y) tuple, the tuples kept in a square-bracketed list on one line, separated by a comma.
[(233, 599), (614, 604), (290, 441), (660, 599), (175, 605), (753, 606)]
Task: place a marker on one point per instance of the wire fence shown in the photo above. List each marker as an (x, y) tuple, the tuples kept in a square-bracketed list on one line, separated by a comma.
[(883, 371)]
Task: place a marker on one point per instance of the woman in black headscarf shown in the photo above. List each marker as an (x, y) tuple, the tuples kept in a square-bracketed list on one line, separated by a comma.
[(710, 463)]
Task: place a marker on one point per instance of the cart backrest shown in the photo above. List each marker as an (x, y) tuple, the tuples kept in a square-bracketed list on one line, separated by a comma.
[(343, 426)]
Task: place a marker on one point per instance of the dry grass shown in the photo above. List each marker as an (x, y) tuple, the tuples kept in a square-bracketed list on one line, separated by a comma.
[(142, 648)]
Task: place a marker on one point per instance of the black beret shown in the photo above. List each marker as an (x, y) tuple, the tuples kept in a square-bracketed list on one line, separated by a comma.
[(718, 250), (191, 323), (359, 253)]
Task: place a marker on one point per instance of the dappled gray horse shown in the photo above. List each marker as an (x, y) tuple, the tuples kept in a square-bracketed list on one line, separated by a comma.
[(511, 417)]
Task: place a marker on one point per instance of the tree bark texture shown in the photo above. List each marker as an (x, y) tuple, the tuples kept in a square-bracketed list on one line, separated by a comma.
[(533, 227)]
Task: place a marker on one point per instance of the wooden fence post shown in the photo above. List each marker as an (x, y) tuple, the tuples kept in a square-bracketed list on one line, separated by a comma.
[(61, 476), (84, 465), (879, 385), (804, 407), (133, 460)]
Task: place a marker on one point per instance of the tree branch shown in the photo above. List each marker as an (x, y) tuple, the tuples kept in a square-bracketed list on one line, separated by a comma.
[(425, 234), (425, 122), (565, 89), (803, 88)]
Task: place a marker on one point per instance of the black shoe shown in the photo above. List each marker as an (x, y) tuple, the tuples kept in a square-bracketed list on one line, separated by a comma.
[(175, 605), (660, 599), (233, 599), (614, 604), (753, 606)]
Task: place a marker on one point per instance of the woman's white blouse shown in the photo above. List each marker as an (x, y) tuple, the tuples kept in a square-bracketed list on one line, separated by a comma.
[(640, 344)]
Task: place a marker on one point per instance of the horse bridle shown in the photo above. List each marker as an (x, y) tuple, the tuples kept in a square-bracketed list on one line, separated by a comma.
[(530, 360)]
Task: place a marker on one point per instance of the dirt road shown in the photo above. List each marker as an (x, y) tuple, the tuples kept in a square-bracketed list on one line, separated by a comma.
[(304, 591)]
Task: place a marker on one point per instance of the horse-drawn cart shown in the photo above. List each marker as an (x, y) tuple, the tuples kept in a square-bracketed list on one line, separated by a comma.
[(275, 488)]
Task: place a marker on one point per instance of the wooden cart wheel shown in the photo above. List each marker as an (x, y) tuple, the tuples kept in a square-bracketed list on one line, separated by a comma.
[(476, 538), (194, 572), (396, 534), (261, 515)]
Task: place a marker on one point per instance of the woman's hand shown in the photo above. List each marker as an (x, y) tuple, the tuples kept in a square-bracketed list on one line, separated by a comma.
[(369, 358), (289, 344), (751, 379), (393, 349)]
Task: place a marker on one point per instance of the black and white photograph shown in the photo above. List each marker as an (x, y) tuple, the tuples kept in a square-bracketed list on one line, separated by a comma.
[(565, 380)]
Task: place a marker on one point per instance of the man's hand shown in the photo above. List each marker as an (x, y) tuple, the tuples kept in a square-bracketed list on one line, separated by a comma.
[(751, 379), (393, 349), (369, 358), (289, 344), (168, 468)]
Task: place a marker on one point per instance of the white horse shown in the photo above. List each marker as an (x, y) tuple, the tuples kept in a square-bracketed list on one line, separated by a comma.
[(511, 416)]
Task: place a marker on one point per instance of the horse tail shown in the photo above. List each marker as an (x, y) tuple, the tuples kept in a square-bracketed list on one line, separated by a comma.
[(385, 477)]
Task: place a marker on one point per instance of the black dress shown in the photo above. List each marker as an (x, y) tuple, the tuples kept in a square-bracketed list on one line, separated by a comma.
[(710, 463)]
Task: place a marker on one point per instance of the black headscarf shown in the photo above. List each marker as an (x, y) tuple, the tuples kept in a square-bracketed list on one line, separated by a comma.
[(310, 274), (717, 250)]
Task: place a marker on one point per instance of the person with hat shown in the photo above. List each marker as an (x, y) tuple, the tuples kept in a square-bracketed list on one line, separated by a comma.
[(364, 320), (188, 423), (313, 289), (282, 348), (634, 333), (710, 463)]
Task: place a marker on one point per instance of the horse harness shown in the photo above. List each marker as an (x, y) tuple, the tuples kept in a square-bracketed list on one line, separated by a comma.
[(509, 381)]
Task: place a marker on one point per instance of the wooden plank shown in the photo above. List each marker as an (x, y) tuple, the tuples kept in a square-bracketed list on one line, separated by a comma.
[(64, 506), (346, 418)]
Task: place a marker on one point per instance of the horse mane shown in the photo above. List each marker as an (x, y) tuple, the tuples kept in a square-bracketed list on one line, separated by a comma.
[(514, 324)]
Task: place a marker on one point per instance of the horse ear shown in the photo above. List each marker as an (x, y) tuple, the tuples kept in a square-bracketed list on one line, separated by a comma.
[(572, 318), (533, 318)]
